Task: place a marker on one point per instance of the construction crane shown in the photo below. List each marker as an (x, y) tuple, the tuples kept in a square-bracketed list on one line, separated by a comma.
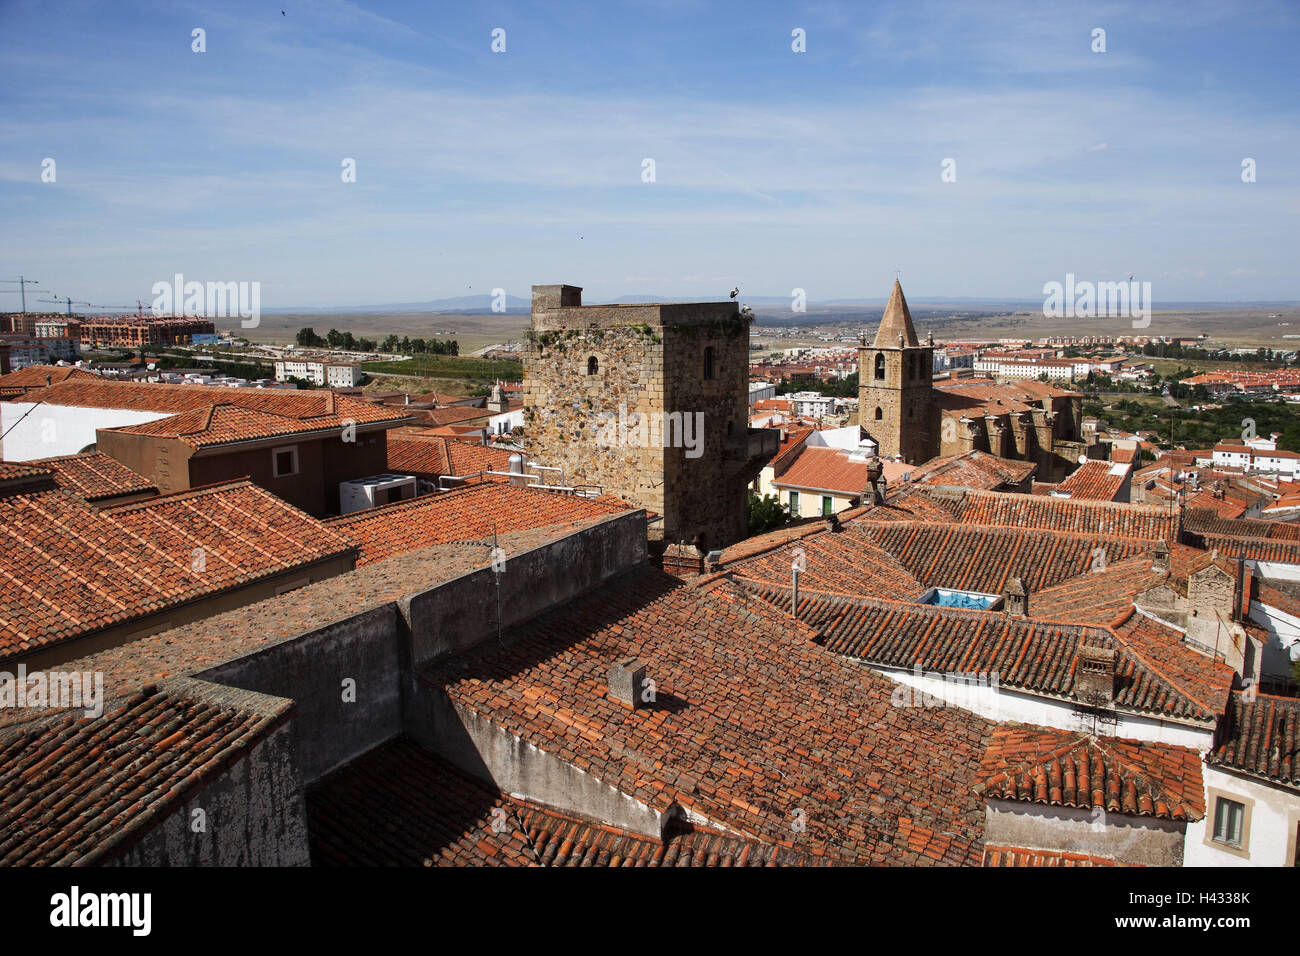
[(22, 284), (70, 302)]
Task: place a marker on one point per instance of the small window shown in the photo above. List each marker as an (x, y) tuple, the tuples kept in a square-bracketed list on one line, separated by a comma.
[(828, 505), (880, 415), (284, 461), (710, 372), (592, 366), (880, 366), (794, 503), (1229, 817)]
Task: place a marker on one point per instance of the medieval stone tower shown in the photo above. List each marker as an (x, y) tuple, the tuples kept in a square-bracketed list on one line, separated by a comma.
[(650, 403), (895, 398)]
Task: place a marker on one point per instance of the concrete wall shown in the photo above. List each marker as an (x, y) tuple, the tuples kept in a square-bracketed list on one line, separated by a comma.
[(253, 814), (457, 614), (328, 730), (521, 769), (1130, 839)]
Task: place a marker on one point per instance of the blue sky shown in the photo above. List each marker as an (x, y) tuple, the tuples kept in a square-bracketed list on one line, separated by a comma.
[(774, 169)]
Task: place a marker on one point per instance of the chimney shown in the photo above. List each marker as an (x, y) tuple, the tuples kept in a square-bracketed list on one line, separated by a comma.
[(517, 470), (626, 679), (833, 523), (1015, 599), (1160, 558), (1094, 675)]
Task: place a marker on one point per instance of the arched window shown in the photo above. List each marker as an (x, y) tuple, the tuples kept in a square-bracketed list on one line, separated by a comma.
[(880, 365), (879, 414), (592, 366), (709, 370)]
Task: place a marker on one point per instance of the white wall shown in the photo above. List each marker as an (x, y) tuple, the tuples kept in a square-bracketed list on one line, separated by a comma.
[(1274, 816), (58, 429), (844, 438), (1004, 704), (1284, 634)]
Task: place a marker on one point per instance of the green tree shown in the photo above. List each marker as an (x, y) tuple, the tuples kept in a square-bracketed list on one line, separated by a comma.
[(766, 514), (334, 337), (307, 338)]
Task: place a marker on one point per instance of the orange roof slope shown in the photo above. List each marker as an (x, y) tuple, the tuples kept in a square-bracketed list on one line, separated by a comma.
[(974, 469), (96, 477), (1095, 481), (203, 415), (464, 514), (434, 455), (67, 570), (752, 720), (24, 380), (74, 791), (1112, 774)]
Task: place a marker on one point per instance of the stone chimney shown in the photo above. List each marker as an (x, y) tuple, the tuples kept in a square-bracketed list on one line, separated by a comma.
[(1094, 675), (833, 523), (1160, 558), (873, 493), (1015, 599), (625, 680)]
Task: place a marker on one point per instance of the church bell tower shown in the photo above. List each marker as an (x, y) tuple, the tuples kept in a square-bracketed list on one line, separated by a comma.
[(895, 397)]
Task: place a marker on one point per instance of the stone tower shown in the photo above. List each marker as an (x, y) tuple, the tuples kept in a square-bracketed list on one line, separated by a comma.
[(649, 402), (895, 399)]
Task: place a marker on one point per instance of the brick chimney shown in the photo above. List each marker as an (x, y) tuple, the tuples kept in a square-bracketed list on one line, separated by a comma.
[(625, 679), (1094, 675), (833, 523), (1015, 599)]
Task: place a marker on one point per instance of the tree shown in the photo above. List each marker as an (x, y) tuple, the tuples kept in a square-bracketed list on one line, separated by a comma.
[(307, 338), (334, 337), (348, 342), (365, 345), (390, 343), (766, 514)]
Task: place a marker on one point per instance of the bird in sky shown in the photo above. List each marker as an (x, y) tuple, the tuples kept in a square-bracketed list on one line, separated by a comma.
[(735, 292)]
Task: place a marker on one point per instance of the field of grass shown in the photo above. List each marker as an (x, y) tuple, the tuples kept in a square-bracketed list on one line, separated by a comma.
[(449, 367)]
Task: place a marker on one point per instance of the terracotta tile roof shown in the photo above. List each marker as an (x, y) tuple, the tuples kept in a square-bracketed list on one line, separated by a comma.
[(195, 649), (1096, 597), (753, 722), (1124, 456), (1205, 500), (791, 445), (1035, 656), (1024, 856), (1060, 514), (464, 514), (824, 469), (77, 791), (202, 416), (430, 456), (1095, 481), (67, 570), (972, 558), (400, 805), (23, 380), (1260, 738), (1209, 523), (1061, 769), (1283, 601), (18, 470), (96, 477), (849, 562), (453, 414), (974, 469), (1254, 549)]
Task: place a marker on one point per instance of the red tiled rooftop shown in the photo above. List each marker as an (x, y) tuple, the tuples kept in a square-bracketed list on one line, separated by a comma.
[(1094, 481), (1026, 856), (96, 477), (974, 469), (1115, 775), (432, 456), (76, 791), (476, 512), (23, 380), (1261, 738), (753, 722), (69, 570)]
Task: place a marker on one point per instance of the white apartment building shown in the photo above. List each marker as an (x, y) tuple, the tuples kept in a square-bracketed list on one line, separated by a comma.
[(758, 391), (332, 374), (1062, 370), (813, 405)]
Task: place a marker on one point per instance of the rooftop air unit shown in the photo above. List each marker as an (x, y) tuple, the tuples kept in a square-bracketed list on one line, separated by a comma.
[(375, 491)]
